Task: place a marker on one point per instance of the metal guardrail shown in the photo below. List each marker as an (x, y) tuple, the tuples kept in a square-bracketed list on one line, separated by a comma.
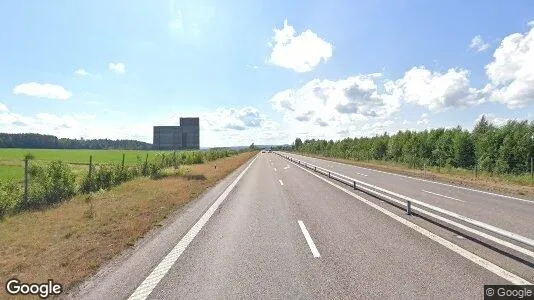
[(383, 193)]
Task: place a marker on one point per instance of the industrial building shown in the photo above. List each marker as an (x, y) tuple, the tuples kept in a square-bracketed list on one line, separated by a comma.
[(185, 136)]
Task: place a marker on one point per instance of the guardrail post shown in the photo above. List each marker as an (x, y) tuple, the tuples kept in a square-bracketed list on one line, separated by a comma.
[(354, 184), (315, 169), (409, 208)]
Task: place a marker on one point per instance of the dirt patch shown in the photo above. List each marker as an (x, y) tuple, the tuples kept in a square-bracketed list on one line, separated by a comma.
[(466, 179), (71, 241)]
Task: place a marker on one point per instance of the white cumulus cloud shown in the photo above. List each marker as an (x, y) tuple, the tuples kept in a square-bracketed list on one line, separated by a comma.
[(511, 72), (299, 52), (81, 72), (436, 91), (493, 119), (42, 90), (359, 97), (3, 108), (233, 118), (231, 126), (423, 120), (478, 44), (118, 68), (329, 109)]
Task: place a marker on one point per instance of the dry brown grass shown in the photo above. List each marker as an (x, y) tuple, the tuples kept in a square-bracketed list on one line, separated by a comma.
[(466, 178), (71, 241)]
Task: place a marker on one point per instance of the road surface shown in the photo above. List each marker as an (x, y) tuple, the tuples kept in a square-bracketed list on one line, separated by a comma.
[(275, 230), (510, 213)]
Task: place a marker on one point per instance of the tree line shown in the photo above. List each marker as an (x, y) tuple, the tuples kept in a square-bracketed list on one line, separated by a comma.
[(504, 149), (41, 141)]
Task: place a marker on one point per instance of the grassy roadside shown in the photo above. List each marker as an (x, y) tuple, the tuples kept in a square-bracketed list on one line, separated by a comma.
[(459, 177), (72, 240)]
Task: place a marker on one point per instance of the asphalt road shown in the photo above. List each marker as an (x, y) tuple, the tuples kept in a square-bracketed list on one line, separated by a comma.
[(510, 213), (282, 232)]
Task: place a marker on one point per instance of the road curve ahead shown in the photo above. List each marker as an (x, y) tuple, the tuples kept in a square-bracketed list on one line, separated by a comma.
[(283, 232)]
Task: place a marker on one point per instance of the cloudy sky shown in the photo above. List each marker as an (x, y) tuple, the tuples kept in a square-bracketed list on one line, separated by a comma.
[(262, 71)]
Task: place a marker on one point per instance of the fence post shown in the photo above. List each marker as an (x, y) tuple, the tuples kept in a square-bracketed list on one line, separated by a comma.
[(409, 208), (424, 167), (90, 165), (26, 180), (146, 165), (532, 170), (122, 165), (476, 171)]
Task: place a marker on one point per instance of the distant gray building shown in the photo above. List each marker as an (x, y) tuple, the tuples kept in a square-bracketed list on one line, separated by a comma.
[(185, 136)]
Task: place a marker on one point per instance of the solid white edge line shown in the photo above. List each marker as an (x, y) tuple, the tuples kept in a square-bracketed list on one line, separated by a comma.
[(515, 279), (150, 282), (309, 240), (425, 180), (448, 197), (280, 180)]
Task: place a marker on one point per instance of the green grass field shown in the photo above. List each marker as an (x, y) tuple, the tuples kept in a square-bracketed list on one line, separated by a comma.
[(12, 164)]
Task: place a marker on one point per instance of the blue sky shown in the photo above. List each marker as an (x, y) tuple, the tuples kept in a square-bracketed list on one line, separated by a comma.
[(263, 72)]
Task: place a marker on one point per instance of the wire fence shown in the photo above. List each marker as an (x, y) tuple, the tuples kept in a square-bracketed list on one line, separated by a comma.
[(48, 183)]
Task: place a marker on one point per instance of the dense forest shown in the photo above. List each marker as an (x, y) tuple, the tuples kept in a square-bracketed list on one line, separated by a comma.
[(34, 140), (505, 149)]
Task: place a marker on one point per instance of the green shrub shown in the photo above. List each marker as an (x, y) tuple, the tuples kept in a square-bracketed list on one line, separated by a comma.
[(154, 170), (118, 175), (108, 175), (104, 177), (88, 184), (11, 194), (49, 184)]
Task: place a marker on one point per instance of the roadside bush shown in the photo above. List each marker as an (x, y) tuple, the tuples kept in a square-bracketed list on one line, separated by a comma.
[(11, 193), (104, 177), (88, 184), (154, 170), (118, 175), (107, 176), (194, 157), (49, 184)]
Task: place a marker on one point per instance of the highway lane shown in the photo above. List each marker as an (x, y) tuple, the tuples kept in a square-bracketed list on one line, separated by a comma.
[(513, 214), (253, 247)]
